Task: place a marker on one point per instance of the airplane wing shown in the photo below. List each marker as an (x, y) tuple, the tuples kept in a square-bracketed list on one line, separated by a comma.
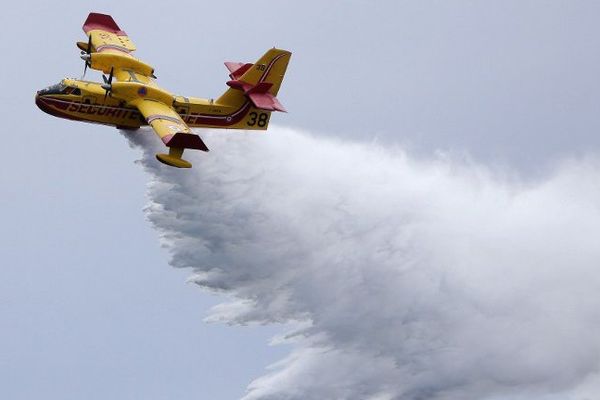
[(171, 129), (109, 47), (106, 36), (109, 50)]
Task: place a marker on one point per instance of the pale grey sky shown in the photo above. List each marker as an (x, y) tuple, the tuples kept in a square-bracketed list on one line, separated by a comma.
[(89, 307)]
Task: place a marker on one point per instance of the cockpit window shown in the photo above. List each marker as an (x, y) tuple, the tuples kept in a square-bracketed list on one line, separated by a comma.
[(61, 88), (72, 90)]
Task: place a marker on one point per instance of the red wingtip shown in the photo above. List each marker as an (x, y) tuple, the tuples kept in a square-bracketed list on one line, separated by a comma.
[(102, 21), (185, 141)]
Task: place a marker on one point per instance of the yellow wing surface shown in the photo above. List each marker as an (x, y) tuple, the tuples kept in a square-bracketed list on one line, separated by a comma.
[(171, 129), (109, 50), (109, 46), (106, 36)]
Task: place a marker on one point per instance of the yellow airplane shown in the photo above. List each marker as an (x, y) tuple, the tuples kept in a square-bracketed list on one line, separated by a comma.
[(135, 99)]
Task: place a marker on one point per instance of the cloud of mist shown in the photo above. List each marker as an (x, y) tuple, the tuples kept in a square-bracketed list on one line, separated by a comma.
[(401, 278)]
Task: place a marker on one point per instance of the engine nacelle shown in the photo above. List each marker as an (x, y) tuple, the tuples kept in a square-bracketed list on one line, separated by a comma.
[(105, 61)]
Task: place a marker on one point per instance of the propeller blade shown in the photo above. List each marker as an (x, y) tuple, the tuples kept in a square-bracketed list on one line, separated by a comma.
[(88, 53), (108, 83)]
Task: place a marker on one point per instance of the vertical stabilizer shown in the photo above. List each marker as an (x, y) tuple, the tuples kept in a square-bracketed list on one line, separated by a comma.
[(259, 82)]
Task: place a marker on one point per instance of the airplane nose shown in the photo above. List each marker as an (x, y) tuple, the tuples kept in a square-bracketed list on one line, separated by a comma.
[(44, 102), (40, 102)]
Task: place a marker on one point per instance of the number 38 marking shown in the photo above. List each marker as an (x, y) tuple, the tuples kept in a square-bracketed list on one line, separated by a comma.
[(258, 119)]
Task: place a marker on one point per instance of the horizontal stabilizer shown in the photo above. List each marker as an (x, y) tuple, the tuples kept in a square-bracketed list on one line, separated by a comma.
[(261, 98), (237, 69), (266, 101), (185, 141), (259, 95), (262, 87)]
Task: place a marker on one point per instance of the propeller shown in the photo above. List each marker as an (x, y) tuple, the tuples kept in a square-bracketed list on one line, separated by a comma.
[(86, 56), (107, 85)]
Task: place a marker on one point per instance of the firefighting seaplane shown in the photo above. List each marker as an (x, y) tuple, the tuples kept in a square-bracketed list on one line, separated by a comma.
[(129, 96)]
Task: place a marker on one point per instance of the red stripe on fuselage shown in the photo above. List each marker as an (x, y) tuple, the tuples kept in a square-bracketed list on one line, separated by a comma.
[(268, 70), (218, 120), (91, 109), (63, 108)]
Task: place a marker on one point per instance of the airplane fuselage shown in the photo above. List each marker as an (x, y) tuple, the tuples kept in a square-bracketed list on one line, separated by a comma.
[(85, 101)]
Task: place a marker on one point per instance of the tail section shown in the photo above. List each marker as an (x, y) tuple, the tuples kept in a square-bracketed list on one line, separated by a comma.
[(258, 83)]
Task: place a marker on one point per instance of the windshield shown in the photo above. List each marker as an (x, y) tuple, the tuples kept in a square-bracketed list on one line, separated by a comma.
[(59, 88)]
